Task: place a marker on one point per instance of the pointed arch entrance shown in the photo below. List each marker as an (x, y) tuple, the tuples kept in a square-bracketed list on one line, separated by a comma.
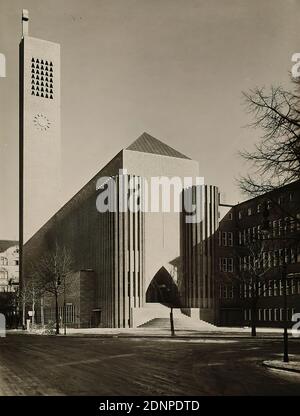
[(163, 289)]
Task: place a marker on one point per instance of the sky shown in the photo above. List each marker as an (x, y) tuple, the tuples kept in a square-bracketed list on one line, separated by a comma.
[(173, 68)]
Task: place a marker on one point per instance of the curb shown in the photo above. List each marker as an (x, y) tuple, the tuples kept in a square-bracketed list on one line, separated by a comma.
[(261, 337), (280, 367), (179, 337)]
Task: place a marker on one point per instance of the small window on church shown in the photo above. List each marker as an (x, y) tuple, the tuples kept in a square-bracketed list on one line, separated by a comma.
[(42, 70)]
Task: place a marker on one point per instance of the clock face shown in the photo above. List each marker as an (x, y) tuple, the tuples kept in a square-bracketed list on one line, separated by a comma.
[(41, 122)]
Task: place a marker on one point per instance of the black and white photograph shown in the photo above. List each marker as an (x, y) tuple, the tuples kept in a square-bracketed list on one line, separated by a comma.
[(150, 201)]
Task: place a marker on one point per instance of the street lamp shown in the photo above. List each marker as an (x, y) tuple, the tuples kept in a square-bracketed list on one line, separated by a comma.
[(64, 305), (166, 295), (65, 312), (285, 278), (285, 328)]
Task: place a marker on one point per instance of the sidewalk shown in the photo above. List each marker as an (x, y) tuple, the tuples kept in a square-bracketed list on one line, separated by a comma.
[(293, 365), (217, 332)]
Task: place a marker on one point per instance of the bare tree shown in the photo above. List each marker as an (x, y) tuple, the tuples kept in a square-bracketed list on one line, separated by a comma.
[(251, 278), (54, 272), (254, 266), (27, 296), (276, 159)]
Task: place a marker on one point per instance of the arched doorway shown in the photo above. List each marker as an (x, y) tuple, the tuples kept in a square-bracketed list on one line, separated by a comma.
[(163, 289)]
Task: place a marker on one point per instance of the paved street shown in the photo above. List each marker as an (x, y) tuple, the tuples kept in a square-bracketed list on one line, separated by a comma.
[(45, 365)]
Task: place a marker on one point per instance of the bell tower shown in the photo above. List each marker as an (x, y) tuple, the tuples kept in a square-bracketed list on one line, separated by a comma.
[(40, 131)]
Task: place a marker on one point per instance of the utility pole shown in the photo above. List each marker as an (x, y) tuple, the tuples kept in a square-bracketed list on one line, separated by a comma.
[(65, 311), (33, 307), (172, 323), (285, 330), (42, 312)]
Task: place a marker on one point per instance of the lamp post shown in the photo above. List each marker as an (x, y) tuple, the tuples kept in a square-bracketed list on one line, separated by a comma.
[(166, 297), (64, 305), (65, 312), (172, 322), (285, 309), (285, 279)]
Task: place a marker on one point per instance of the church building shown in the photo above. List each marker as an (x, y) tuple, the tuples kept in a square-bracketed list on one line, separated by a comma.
[(127, 263)]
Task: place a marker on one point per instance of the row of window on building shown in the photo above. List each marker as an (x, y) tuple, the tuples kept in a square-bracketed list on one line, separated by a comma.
[(4, 275), (226, 264), (70, 310), (265, 289), (277, 228), (4, 261), (270, 314), (269, 259), (7, 288), (226, 238), (259, 207), (266, 260)]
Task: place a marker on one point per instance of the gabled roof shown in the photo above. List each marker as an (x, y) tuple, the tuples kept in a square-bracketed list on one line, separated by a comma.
[(148, 144), (5, 244)]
